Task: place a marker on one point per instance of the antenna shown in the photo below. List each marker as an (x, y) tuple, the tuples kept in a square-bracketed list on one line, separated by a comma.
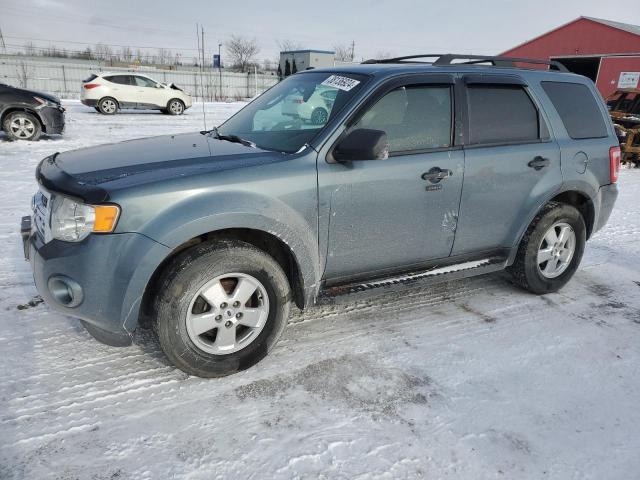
[(201, 43)]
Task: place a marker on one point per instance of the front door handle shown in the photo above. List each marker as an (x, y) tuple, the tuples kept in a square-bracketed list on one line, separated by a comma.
[(436, 174), (539, 163)]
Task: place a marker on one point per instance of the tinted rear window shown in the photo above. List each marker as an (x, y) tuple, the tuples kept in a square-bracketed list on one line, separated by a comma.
[(577, 108), (501, 114), (121, 79)]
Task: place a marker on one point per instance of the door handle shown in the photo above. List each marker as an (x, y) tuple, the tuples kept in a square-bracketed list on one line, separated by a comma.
[(436, 174), (539, 163)]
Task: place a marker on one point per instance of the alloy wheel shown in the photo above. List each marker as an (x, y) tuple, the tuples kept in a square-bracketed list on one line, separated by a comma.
[(22, 127), (227, 313), (556, 250)]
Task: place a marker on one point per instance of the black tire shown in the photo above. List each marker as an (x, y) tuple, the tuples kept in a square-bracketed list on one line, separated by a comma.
[(319, 116), (185, 276), (525, 270), (175, 106), (108, 106), (97, 109), (22, 126)]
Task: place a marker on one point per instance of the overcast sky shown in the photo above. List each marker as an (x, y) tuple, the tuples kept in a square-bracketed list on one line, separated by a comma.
[(398, 27)]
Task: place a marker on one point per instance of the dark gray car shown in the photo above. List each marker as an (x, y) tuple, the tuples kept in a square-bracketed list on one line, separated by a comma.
[(420, 171)]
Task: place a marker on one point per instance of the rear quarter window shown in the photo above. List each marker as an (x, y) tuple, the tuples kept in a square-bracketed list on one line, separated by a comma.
[(577, 108)]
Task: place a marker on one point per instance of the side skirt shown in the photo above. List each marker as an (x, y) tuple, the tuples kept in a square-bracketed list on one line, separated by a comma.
[(429, 276)]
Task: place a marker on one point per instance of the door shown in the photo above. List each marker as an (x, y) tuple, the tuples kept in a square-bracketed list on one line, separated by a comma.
[(123, 90), (149, 93), (511, 163), (392, 214)]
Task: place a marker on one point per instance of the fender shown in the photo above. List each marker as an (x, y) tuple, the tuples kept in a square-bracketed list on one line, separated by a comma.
[(203, 212), (576, 185)]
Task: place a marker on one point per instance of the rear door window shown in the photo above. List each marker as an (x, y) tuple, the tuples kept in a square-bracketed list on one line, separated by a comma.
[(414, 118), (577, 108), (501, 114), (119, 79)]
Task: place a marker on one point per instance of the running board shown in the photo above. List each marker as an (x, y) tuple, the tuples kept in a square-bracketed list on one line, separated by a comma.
[(426, 277)]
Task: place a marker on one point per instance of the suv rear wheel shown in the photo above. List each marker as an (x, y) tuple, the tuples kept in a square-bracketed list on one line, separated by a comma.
[(22, 126), (107, 106), (221, 307), (551, 249)]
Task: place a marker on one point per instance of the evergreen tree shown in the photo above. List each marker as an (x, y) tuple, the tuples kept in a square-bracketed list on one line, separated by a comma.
[(294, 69), (287, 68), (279, 73)]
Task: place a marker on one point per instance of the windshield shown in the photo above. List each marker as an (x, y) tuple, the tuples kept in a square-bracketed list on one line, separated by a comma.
[(290, 114)]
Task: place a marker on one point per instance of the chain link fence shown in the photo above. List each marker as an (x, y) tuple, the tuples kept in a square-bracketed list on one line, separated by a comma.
[(64, 78)]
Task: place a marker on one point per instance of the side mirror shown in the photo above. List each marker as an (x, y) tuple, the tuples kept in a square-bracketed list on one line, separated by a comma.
[(362, 144)]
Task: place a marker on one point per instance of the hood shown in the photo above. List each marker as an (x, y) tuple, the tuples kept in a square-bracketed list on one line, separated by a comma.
[(46, 96), (90, 173)]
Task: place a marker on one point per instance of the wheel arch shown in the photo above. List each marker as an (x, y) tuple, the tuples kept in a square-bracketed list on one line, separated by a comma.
[(572, 195), (265, 241), (17, 108)]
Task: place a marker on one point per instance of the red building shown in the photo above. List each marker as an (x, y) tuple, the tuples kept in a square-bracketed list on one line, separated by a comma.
[(599, 49)]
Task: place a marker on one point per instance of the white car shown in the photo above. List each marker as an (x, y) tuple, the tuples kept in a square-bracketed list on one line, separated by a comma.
[(109, 92), (315, 109)]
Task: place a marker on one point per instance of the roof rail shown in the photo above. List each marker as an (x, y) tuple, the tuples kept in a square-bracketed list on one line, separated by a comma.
[(447, 59)]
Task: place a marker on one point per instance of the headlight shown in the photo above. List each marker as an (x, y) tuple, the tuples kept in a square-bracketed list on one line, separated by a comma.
[(73, 221), (44, 102)]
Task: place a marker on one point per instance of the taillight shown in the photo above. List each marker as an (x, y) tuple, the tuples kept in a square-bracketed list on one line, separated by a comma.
[(298, 100), (614, 163), (89, 86)]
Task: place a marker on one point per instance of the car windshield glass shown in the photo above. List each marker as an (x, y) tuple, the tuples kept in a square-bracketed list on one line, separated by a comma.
[(290, 114)]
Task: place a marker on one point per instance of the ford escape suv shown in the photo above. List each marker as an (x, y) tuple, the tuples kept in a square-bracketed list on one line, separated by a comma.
[(430, 170)]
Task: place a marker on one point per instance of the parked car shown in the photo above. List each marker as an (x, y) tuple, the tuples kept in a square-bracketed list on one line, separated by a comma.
[(315, 109), (27, 114), (109, 92), (211, 236)]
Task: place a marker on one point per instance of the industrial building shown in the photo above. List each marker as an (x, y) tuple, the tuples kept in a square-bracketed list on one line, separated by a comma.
[(608, 52)]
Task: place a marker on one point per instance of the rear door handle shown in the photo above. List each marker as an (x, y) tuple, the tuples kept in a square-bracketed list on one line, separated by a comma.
[(436, 174), (539, 163)]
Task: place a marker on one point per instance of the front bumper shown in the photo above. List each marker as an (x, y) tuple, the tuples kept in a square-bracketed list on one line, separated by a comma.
[(112, 272), (52, 119)]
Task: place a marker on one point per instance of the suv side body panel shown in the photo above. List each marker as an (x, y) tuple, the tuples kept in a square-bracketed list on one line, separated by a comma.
[(500, 188)]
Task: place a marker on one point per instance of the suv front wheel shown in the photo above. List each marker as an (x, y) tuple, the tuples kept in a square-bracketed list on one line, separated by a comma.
[(551, 249), (221, 307)]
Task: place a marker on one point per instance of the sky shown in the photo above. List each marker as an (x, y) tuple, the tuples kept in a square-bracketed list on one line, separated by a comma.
[(397, 27)]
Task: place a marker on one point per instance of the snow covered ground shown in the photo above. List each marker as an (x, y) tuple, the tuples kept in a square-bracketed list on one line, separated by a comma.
[(472, 379)]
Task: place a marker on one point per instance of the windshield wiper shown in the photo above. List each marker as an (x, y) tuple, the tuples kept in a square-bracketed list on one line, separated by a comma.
[(228, 138)]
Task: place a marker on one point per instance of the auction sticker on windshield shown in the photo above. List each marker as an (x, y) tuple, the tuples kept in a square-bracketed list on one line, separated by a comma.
[(343, 83)]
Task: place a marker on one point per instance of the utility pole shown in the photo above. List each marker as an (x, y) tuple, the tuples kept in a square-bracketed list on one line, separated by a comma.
[(202, 44), (220, 68), (353, 49)]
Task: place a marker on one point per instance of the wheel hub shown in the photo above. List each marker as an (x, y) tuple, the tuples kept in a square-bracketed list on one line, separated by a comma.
[(556, 250), (227, 313)]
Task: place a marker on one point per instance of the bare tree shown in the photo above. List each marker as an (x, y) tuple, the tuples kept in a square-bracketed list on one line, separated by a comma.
[(126, 54), (288, 45), (242, 52), (30, 49), (343, 53), (103, 52), (380, 55)]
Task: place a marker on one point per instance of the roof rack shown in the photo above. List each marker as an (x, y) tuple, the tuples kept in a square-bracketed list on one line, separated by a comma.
[(447, 59)]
